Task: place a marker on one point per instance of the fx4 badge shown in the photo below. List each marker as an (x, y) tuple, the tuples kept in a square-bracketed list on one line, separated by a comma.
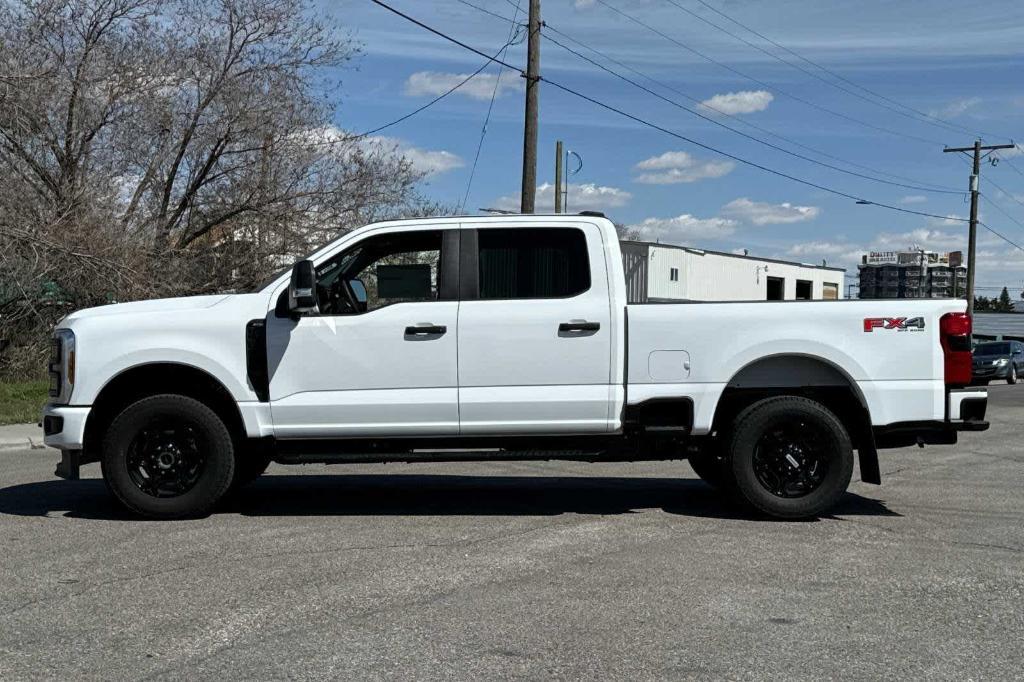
[(900, 324)]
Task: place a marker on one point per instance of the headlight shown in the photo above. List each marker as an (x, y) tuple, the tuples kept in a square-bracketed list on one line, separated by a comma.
[(62, 366), (1001, 362)]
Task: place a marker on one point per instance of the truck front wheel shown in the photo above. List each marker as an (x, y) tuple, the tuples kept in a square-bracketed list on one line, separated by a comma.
[(167, 457), (791, 457)]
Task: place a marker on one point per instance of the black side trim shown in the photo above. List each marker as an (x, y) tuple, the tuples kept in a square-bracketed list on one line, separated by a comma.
[(469, 269), (661, 414), (256, 358), (450, 265)]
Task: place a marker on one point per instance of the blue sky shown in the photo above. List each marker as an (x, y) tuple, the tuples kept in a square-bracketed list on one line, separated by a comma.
[(963, 64)]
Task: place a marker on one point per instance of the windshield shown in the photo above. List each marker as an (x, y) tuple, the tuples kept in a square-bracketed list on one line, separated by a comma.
[(992, 349)]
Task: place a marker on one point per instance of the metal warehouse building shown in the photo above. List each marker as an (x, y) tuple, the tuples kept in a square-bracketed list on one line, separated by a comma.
[(663, 272)]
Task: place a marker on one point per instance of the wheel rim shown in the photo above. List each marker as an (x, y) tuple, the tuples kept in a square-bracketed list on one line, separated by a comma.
[(166, 458), (792, 459)]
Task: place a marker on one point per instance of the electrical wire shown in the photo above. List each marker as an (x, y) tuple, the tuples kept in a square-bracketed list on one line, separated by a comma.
[(654, 126), (936, 119), (763, 84), (512, 36), (751, 137), (739, 119)]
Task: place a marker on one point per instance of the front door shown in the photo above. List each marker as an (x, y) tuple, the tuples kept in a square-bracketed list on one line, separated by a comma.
[(534, 331), (380, 357)]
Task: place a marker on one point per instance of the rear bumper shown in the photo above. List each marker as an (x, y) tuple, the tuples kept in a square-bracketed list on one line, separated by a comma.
[(965, 411)]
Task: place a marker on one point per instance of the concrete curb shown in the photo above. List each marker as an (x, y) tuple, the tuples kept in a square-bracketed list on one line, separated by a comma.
[(21, 437)]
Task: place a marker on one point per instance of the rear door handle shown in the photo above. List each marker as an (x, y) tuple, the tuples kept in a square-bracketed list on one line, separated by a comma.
[(426, 330), (579, 326)]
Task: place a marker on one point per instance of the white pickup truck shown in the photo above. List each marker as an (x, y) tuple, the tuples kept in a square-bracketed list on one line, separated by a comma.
[(479, 338)]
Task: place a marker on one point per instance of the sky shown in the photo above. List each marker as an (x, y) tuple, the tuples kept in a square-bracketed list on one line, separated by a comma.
[(939, 73)]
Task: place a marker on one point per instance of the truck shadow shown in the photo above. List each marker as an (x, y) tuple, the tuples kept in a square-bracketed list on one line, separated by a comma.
[(424, 495)]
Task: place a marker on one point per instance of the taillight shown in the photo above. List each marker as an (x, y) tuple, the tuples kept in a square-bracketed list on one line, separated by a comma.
[(955, 337)]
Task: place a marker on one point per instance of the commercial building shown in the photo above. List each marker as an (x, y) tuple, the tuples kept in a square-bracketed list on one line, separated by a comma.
[(663, 272), (914, 273)]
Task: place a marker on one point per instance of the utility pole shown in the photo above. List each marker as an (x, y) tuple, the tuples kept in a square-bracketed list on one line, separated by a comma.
[(972, 236), (529, 187), (558, 176)]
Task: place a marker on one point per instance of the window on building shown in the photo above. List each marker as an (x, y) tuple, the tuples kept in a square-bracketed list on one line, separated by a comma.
[(673, 274), (804, 289), (830, 291), (776, 289), (533, 263)]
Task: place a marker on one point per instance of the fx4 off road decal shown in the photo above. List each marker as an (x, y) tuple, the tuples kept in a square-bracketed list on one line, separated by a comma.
[(900, 324)]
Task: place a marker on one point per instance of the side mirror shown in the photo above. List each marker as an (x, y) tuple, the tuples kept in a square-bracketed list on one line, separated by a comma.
[(302, 289)]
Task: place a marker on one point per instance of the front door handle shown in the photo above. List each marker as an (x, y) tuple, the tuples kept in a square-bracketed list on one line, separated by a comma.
[(579, 326), (426, 330)]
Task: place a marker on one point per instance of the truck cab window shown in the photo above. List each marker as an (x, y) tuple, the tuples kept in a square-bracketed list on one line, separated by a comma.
[(379, 271), (533, 263)]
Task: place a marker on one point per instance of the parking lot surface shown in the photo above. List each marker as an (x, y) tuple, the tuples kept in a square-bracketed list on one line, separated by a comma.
[(524, 570)]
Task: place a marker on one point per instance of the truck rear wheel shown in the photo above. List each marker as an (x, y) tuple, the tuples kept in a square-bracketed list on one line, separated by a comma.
[(168, 457), (791, 457)]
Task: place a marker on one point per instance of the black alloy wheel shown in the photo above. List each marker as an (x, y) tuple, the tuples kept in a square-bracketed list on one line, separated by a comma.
[(167, 457), (790, 459)]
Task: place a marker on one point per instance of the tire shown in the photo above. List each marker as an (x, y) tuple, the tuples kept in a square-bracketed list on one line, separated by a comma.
[(168, 457), (772, 434), (1012, 378)]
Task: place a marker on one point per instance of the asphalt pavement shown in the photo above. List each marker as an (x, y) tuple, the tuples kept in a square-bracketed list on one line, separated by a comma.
[(524, 570)]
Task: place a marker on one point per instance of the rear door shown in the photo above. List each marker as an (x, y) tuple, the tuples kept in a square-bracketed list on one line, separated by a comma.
[(534, 338)]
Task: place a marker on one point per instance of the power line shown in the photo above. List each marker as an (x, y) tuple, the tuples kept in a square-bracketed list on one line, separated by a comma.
[(654, 126), (1004, 191), (750, 137), (813, 150), (999, 208), (487, 11), (513, 32), (934, 120), (763, 84)]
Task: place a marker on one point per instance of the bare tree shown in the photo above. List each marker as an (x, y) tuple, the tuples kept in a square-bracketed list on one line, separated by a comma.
[(164, 147)]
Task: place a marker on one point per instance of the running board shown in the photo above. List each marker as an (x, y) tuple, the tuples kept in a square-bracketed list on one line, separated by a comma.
[(430, 455)]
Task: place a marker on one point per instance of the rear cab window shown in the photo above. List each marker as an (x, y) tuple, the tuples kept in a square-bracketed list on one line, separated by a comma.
[(532, 263)]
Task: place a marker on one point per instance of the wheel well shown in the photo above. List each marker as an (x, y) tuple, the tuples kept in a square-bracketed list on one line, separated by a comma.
[(810, 377), (152, 379)]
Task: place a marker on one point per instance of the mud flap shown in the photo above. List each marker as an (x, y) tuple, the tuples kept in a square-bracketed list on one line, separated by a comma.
[(869, 469), (69, 465)]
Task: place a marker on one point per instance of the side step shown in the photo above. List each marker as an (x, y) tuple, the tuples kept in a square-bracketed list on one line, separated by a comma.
[(431, 455)]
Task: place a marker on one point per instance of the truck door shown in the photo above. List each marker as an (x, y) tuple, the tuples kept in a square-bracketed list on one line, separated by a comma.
[(534, 331), (380, 357)]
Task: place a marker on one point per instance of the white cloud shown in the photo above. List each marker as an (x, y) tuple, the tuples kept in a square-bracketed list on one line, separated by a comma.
[(581, 197), (931, 240), (956, 108), (742, 102), (676, 167), (435, 83), (914, 199), (682, 228), (426, 161), (768, 214), (583, 4)]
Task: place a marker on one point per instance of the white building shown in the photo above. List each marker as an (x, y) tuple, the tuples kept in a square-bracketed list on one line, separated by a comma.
[(663, 272)]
